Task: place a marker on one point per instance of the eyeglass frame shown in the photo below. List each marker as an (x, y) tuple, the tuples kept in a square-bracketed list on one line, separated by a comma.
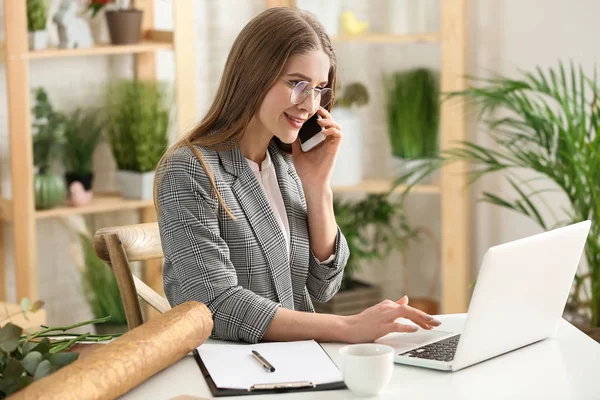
[(312, 88)]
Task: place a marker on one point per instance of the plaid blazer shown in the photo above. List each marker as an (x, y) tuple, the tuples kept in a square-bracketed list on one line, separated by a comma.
[(239, 268)]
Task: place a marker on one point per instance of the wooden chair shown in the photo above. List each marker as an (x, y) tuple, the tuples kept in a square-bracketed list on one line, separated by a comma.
[(122, 244)]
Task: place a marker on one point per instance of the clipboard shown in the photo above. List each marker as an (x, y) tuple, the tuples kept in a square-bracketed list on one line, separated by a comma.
[(283, 387)]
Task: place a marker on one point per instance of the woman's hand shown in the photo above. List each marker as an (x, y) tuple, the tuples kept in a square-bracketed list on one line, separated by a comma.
[(379, 320), (314, 167)]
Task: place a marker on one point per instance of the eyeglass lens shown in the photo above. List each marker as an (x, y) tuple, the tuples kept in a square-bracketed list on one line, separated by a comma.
[(303, 89)]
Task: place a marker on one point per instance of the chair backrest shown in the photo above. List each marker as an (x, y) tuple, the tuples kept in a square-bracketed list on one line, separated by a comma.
[(118, 246)]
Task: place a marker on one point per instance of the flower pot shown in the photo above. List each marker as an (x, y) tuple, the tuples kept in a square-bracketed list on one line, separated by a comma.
[(124, 26), (79, 188), (136, 185), (49, 190), (348, 168), (38, 40)]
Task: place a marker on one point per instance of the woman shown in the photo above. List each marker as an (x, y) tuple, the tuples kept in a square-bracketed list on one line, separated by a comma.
[(248, 228)]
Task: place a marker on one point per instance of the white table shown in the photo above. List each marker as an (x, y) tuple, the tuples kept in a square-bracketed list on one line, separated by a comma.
[(565, 366)]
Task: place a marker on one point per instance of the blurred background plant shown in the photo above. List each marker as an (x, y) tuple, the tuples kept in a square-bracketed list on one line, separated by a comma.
[(373, 226), (83, 133), (545, 122), (48, 141), (413, 113), (137, 124)]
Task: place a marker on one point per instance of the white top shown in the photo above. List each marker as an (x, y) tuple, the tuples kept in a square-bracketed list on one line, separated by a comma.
[(563, 367), (267, 177)]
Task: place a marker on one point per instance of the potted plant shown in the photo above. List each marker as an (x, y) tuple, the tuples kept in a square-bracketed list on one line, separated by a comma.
[(27, 357), (48, 139), (82, 133), (348, 169), (37, 14), (124, 22), (548, 127), (413, 113), (138, 131), (373, 227)]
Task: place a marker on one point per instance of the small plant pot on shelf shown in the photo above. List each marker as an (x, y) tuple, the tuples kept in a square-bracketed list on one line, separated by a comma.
[(136, 185), (38, 40), (79, 188), (124, 26), (357, 298), (49, 190)]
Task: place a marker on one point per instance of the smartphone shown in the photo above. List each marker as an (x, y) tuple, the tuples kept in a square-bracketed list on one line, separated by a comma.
[(310, 134)]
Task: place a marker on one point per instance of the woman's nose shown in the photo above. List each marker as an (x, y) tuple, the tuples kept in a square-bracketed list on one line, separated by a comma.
[(309, 104)]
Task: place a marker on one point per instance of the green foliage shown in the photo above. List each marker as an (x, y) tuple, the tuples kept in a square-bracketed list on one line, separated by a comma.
[(37, 13), (373, 227), (138, 124), (413, 112), (49, 132), (353, 94), (25, 358), (100, 285), (549, 125), (83, 131)]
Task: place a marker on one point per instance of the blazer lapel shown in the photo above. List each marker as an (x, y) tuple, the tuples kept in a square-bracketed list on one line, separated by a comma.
[(291, 187), (262, 219)]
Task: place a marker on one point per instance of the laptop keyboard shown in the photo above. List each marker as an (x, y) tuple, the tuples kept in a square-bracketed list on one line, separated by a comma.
[(442, 350)]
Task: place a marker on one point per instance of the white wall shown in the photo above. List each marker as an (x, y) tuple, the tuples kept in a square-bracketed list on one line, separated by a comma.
[(504, 36)]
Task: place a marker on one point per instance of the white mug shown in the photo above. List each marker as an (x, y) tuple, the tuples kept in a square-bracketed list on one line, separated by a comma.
[(367, 368)]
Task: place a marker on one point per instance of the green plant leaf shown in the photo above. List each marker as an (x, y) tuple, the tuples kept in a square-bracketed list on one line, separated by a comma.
[(25, 305), (37, 305), (43, 369), (43, 347), (13, 370), (9, 337), (25, 381), (61, 359), (8, 386), (31, 361), (27, 347)]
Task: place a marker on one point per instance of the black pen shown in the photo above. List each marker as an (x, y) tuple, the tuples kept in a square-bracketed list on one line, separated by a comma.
[(266, 365)]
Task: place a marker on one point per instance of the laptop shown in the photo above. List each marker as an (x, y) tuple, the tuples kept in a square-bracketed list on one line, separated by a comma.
[(519, 297)]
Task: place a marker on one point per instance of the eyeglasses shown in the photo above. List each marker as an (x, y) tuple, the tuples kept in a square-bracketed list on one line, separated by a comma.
[(302, 89)]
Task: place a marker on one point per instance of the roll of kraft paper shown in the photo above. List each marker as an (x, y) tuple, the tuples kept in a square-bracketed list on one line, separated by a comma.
[(117, 367)]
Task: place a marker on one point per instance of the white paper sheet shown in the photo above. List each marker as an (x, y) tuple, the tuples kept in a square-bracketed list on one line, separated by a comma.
[(234, 367)]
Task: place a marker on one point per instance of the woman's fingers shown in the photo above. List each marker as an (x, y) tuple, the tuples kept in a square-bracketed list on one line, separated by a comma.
[(332, 133), (416, 316), (402, 301), (398, 327)]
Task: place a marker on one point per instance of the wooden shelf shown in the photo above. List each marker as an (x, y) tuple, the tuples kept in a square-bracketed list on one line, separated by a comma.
[(142, 47), (389, 38), (100, 203), (383, 185)]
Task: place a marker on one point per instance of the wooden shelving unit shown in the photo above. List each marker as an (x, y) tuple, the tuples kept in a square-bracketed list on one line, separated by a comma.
[(452, 188), (102, 50), (20, 210)]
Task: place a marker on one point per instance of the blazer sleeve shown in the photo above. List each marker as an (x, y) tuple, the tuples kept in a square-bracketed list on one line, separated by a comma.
[(199, 257), (324, 279)]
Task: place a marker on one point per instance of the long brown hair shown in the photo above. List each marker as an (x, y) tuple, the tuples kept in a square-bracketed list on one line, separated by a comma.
[(255, 62)]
